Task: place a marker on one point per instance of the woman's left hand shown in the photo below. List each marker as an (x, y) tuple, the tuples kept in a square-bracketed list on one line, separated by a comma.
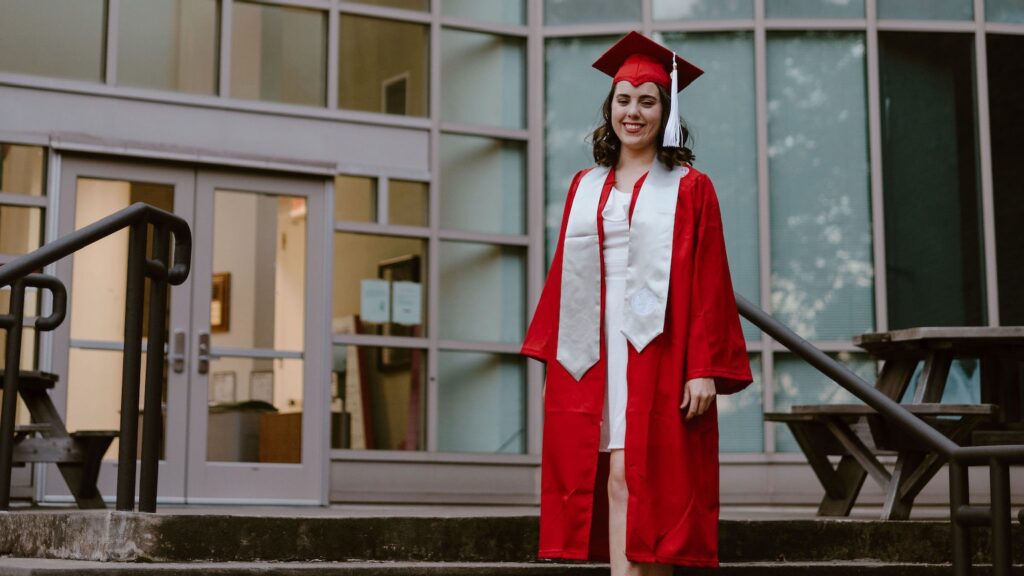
[(698, 394)]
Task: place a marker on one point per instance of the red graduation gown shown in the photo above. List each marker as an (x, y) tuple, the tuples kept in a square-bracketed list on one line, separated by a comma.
[(671, 464)]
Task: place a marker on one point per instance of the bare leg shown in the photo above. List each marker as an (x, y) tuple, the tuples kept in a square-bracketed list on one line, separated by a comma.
[(618, 498)]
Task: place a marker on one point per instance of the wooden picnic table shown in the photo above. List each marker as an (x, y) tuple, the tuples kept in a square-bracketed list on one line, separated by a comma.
[(857, 434), (77, 454)]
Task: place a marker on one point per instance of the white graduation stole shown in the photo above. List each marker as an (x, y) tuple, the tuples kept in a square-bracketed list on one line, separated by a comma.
[(647, 275)]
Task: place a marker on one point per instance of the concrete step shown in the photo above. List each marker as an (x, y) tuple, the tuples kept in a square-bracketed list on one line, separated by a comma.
[(38, 567), (136, 537)]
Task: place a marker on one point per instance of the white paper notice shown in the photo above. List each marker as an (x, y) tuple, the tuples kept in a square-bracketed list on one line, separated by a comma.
[(408, 296), (374, 299)]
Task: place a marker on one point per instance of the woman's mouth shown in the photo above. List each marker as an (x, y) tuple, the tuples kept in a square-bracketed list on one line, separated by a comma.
[(632, 127)]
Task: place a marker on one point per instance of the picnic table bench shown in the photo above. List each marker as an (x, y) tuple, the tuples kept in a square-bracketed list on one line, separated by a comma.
[(860, 436), (77, 454)]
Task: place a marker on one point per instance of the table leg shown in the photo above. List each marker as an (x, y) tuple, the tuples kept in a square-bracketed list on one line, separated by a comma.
[(915, 469), (851, 475), (897, 502), (895, 377), (80, 478), (933, 377), (812, 442), (843, 483)]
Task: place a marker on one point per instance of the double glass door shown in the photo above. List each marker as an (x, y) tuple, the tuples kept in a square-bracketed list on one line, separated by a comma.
[(243, 420)]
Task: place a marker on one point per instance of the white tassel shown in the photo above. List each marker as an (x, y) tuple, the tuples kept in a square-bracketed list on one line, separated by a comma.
[(673, 132)]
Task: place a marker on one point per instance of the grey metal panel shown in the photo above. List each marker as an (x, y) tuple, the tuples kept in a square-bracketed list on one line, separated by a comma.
[(383, 479), (113, 10), (228, 132), (535, 269), (764, 218), (446, 482), (487, 27), (12, 199), (984, 136), (875, 160), (926, 25)]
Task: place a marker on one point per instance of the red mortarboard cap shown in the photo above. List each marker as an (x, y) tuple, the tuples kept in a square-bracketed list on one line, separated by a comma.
[(638, 59)]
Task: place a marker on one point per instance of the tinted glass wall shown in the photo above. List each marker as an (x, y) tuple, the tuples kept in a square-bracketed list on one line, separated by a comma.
[(1006, 114), (934, 258)]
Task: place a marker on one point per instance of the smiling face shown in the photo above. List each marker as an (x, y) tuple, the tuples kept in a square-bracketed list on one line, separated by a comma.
[(636, 115)]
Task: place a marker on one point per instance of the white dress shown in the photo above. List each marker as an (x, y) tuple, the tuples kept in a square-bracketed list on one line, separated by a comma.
[(616, 257)]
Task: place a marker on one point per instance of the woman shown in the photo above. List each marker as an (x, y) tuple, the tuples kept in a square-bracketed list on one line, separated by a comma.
[(639, 307)]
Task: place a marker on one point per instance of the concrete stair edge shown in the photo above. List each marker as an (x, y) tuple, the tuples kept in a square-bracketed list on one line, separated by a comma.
[(47, 567), (162, 538)]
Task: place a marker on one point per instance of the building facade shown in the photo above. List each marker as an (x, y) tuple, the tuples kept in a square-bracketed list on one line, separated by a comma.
[(403, 165)]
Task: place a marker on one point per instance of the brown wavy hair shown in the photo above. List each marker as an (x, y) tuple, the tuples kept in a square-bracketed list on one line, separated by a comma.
[(607, 145)]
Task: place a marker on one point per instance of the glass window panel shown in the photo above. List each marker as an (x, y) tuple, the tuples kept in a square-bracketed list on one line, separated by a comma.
[(815, 8), (741, 416), (483, 292), (168, 45), (99, 270), (501, 11), (61, 38), (580, 11), (797, 382), (483, 79), (21, 229), (719, 112), (419, 5), (378, 398), (933, 243), (255, 410), (22, 170), (355, 198), (259, 252), (361, 263), (278, 54), (483, 184), (384, 66), (926, 9), (408, 203), (481, 403), (94, 394), (1010, 11), (822, 270), (1006, 112), (702, 9), (573, 94)]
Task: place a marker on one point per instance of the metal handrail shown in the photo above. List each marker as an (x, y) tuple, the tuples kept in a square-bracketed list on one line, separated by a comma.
[(157, 267), (997, 458), (136, 213), (12, 323)]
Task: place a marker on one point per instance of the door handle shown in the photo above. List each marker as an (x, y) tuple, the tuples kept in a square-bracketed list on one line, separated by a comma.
[(178, 352), (203, 365)]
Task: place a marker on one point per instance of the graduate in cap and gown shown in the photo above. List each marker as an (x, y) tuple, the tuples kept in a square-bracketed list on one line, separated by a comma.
[(638, 327)]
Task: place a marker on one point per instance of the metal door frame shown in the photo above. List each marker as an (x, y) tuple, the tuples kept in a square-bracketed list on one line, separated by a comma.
[(249, 482), (171, 469)]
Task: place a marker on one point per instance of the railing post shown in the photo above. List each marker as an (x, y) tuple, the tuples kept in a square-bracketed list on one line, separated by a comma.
[(999, 484), (12, 322), (959, 496), (152, 419), (131, 365)]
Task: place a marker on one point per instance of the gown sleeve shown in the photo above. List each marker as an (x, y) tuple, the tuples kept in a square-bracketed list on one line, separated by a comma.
[(715, 347), (542, 335)]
